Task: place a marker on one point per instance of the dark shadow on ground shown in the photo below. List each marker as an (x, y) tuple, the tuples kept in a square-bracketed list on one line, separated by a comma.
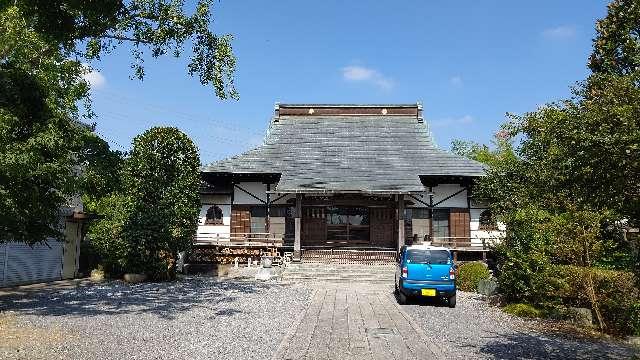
[(423, 301), (165, 300), (538, 346), (428, 301)]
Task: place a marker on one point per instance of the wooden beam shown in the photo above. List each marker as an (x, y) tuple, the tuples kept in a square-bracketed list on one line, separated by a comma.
[(279, 197), (420, 201)]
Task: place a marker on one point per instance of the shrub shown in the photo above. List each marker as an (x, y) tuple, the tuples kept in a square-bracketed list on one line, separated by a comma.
[(635, 318), (162, 179), (523, 310), (470, 274), (523, 258), (105, 237), (614, 295)]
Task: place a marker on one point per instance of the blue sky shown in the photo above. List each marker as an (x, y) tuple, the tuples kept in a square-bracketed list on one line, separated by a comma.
[(468, 62)]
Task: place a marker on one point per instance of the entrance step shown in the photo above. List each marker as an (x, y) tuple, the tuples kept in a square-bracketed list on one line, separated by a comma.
[(339, 273), (349, 257)]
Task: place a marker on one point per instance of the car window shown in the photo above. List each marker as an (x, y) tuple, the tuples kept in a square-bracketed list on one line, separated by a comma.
[(416, 256)]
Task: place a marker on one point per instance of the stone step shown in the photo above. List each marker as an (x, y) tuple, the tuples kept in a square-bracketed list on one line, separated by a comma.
[(339, 271), (325, 265), (340, 280), (355, 278), (320, 264), (317, 272)]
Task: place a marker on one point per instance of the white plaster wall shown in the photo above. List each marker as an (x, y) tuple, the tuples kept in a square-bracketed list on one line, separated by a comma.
[(256, 188), (277, 227), (441, 192), (420, 227), (215, 199), (260, 190), (489, 236), (444, 190), (214, 231)]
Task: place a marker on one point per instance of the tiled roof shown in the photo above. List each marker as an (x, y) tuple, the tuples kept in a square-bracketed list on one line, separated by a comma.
[(348, 153)]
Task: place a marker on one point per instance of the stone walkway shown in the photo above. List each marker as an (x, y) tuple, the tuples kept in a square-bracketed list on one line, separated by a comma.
[(345, 322)]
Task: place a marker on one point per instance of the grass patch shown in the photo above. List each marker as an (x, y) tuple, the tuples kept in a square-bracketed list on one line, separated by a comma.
[(524, 310)]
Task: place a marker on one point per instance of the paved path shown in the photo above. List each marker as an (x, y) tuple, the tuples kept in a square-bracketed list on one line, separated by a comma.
[(358, 322)]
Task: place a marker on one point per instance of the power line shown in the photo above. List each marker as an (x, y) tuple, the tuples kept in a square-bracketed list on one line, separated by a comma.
[(111, 140), (182, 114), (211, 154)]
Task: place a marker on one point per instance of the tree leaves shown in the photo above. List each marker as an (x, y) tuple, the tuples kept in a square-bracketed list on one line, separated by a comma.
[(571, 180), (46, 155), (162, 178), (616, 48)]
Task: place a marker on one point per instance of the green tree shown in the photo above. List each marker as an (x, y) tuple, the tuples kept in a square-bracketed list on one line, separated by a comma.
[(616, 48), (161, 178), (572, 176), (39, 143), (504, 183), (44, 50), (90, 29)]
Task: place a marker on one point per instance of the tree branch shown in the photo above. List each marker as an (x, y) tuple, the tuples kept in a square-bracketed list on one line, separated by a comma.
[(125, 38)]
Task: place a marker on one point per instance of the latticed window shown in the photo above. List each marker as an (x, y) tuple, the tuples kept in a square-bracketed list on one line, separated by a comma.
[(440, 223), (258, 218)]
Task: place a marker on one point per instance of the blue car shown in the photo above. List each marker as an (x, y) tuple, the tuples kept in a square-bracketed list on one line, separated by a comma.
[(425, 271)]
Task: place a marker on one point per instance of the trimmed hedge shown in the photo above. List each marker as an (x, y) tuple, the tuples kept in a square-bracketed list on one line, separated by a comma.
[(470, 274)]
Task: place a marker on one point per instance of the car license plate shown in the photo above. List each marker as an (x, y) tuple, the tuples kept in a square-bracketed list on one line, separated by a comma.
[(428, 292)]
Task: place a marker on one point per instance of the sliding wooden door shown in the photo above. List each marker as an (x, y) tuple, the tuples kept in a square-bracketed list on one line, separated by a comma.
[(240, 221)]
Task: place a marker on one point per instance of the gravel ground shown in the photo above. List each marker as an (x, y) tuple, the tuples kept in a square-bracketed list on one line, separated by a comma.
[(476, 330), (203, 318), (195, 318)]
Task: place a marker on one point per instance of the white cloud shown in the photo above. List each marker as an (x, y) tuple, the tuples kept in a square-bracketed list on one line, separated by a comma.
[(94, 78), (356, 73), (463, 120), (560, 32), (456, 81)]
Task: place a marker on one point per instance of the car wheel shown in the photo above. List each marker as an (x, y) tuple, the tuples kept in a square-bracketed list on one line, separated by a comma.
[(402, 298), (452, 301)]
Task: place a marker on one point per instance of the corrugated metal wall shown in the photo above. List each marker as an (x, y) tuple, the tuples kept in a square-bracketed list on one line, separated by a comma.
[(23, 264), (3, 256)]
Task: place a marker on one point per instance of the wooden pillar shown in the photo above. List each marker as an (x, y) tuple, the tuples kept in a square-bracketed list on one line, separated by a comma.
[(430, 215), (267, 220), (297, 241), (400, 221)]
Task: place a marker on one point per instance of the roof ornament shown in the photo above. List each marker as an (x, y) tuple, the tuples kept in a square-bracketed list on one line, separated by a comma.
[(276, 111)]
